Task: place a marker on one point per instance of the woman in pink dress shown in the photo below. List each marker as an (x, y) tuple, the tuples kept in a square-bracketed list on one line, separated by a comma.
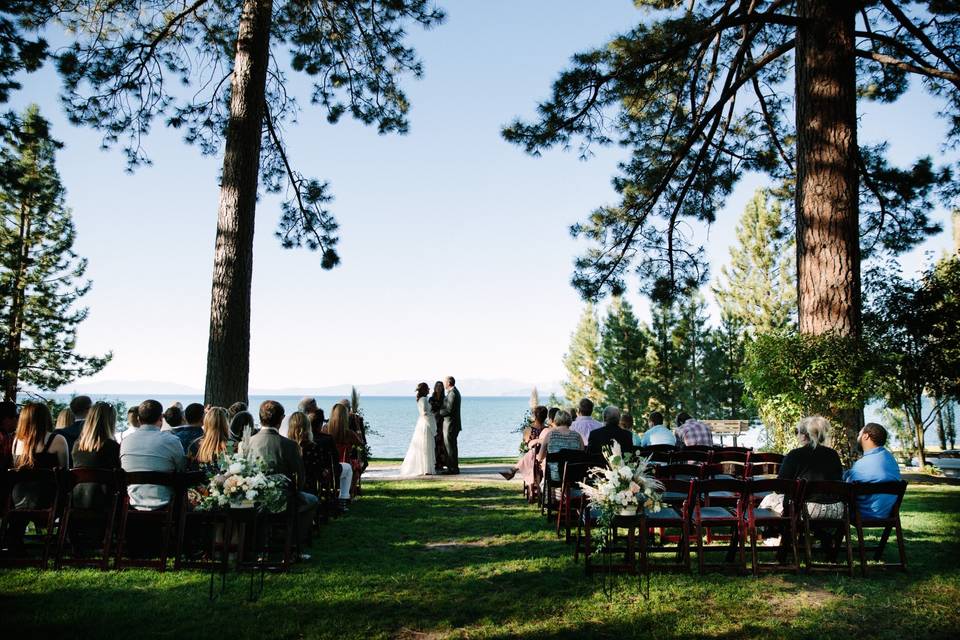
[(531, 436)]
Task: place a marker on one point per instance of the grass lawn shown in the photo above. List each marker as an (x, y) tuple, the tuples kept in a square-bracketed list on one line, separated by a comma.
[(395, 462), (459, 559)]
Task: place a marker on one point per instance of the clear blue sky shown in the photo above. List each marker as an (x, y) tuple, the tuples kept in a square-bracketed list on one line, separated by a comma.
[(456, 256)]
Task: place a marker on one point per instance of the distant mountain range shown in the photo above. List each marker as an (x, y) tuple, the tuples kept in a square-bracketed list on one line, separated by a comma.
[(467, 386)]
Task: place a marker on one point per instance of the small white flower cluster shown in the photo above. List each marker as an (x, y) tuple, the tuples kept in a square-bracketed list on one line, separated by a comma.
[(243, 480)]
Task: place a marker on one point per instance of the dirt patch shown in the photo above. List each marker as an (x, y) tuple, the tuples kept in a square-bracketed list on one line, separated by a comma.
[(800, 598), (410, 634), (454, 546)]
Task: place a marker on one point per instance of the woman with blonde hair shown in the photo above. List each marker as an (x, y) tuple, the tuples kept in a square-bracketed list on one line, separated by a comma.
[(345, 440), (96, 448), (36, 447), (64, 419), (204, 452)]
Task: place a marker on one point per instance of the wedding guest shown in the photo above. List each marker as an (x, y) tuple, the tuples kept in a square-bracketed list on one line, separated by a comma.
[(238, 423), (80, 406), (133, 418), (97, 448), (692, 432), (150, 449), (531, 437), (609, 433), (550, 415), (876, 465), (585, 423), (812, 460), (344, 438), (656, 433), (436, 406), (173, 416), (328, 449), (557, 438), (204, 452), (307, 405), (626, 423), (300, 431), (187, 433), (35, 447), (65, 419), (8, 426), (235, 408), (282, 455)]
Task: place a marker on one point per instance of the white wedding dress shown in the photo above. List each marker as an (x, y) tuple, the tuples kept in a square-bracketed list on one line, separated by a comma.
[(421, 455)]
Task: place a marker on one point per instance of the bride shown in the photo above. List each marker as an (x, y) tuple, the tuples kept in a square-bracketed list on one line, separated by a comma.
[(421, 455)]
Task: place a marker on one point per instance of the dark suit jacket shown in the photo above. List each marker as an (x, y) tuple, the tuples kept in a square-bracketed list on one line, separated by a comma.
[(281, 455), (451, 411), (604, 436)]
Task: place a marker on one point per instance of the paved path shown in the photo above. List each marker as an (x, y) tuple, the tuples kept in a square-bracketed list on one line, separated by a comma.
[(468, 472)]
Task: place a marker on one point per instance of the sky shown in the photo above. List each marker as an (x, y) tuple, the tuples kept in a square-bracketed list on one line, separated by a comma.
[(456, 256)]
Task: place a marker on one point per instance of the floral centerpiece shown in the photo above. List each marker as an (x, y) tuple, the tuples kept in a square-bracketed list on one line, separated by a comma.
[(626, 485), (242, 482)]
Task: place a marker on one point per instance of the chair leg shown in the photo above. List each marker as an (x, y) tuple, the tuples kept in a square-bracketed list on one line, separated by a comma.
[(794, 541), (807, 552), (846, 533), (700, 562), (861, 550), (61, 539), (753, 550), (901, 548), (878, 554)]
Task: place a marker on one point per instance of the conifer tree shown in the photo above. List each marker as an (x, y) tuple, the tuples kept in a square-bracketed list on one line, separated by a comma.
[(582, 360), (691, 339), (666, 363), (213, 70), (41, 278), (623, 358), (723, 381), (759, 290)]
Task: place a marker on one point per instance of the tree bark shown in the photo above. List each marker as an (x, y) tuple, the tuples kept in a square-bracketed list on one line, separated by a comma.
[(827, 211), (11, 368), (228, 351)]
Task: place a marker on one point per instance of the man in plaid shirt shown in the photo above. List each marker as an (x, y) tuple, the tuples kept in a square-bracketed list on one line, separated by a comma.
[(692, 432)]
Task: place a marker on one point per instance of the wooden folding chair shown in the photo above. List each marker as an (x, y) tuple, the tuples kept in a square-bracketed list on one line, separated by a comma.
[(677, 499), (734, 463), (705, 517), (690, 455), (785, 522), (165, 519), (679, 471), (571, 495), (890, 523), (761, 465), (13, 537), (77, 519), (817, 492), (549, 500)]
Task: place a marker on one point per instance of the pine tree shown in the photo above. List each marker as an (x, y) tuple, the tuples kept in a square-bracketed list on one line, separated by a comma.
[(666, 364), (723, 382), (691, 339), (582, 361), (128, 61), (759, 290), (41, 278), (623, 357)]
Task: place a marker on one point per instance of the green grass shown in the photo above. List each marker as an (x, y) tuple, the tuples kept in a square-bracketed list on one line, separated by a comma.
[(438, 559), (387, 462)]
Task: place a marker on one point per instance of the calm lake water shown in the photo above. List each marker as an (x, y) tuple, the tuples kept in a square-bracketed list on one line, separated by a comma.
[(488, 422)]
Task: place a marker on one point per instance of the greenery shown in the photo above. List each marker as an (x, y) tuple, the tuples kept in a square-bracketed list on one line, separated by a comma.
[(41, 278), (914, 328), (791, 375), (471, 560), (582, 361), (623, 358)]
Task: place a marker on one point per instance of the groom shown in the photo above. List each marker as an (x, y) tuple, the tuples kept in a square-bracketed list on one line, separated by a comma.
[(450, 412)]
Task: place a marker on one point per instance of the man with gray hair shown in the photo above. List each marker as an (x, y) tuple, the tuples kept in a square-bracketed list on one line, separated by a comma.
[(609, 433)]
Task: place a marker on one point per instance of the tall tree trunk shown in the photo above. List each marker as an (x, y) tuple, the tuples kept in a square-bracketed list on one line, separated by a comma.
[(228, 352), (827, 212), (11, 366), (941, 431)]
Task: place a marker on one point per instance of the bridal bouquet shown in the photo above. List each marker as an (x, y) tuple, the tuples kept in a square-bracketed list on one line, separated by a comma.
[(243, 483), (620, 489)]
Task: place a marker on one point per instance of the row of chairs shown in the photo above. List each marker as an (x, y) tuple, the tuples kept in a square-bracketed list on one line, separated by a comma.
[(115, 527), (695, 504)]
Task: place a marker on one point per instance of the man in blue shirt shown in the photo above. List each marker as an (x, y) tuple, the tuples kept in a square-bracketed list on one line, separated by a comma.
[(876, 465)]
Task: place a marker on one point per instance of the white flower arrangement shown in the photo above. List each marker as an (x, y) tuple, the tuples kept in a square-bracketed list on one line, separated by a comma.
[(243, 482), (626, 485)]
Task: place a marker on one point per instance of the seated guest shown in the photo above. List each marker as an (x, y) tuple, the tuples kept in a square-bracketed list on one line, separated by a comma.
[(80, 406), (133, 421), (282, 455), (812, 460), (876, 465), (204, 453), (328, 451), (96, 449), (557, 438), (314, 461), (345, 439), (65, 419), (8, 427), (692, 432), (150, 449), (173, 416), (191, 425), (243, 421), (585, 423), (657, 433), (609, 433), (36, 447), (550, 415), (626, 423), (531, 437), (235, 408)]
